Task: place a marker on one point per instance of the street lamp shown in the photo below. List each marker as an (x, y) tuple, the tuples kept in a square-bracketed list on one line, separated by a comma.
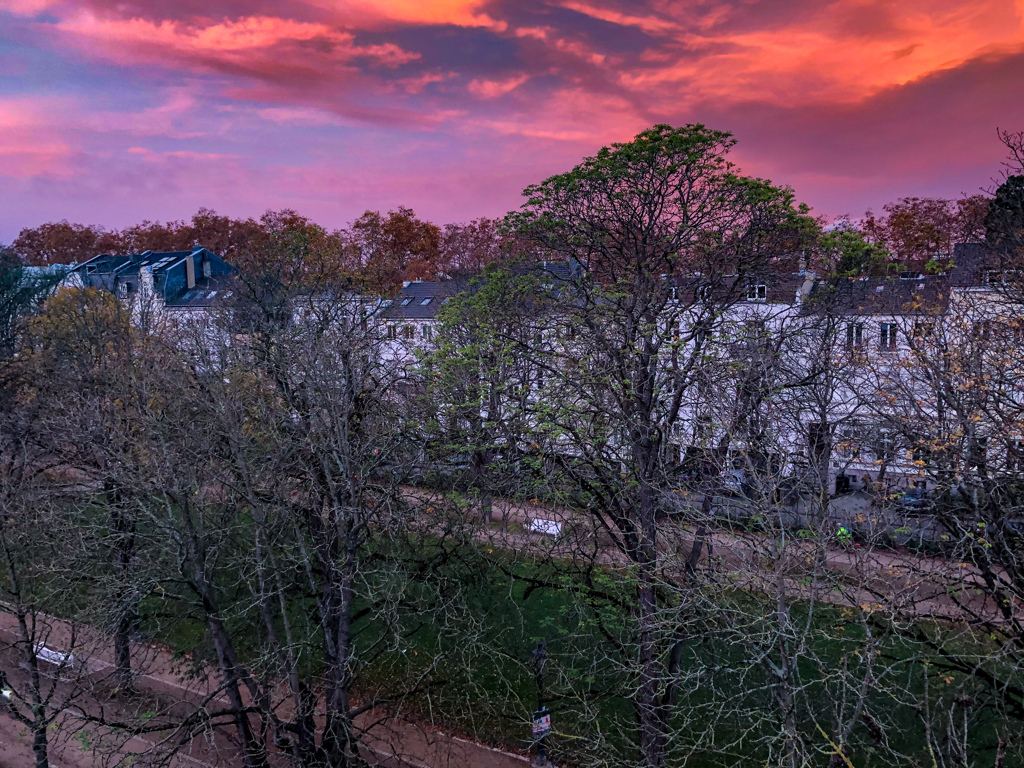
[(542, 717)]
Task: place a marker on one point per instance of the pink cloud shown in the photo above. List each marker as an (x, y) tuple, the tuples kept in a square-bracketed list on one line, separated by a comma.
[(492, 89), (251, 44), (29, 146)]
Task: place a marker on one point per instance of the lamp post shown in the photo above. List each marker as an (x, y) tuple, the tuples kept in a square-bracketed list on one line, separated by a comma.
[(542, 717)]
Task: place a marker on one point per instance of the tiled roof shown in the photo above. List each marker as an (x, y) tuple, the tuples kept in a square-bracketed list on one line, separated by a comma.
[(208, 292), (423, 300), (918, 294)]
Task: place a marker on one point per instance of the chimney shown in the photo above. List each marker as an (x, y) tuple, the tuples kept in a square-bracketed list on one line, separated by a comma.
[(190, 272)]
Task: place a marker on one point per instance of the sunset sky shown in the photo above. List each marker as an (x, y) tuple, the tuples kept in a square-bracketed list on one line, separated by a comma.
[(112, 112)]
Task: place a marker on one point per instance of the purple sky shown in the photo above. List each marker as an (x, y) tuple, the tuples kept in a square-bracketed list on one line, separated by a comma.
[(113, 112)]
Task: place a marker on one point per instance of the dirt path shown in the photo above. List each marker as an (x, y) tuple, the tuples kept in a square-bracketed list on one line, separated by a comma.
[(389, 742), (865, 576)]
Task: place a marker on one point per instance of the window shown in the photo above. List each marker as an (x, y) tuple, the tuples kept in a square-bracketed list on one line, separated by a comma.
[(757, 293), (885, 444), (122, 290), (923, 329), (854, 335), (849, 439), (408, 331), (407, 301), (392, 331), (701, 428), (888, 337), (426, 301), (428, 332), (983, 330)]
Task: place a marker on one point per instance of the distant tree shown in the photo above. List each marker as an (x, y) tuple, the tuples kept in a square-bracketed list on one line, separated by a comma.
[(61, 243), (390, 249), (21, 292), (918, 231), (467, 248), (846, 252)]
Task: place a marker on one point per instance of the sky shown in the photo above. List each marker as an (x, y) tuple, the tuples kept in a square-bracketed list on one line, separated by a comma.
[(112, 112)]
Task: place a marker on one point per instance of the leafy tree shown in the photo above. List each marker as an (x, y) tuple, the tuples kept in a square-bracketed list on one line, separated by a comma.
[(848, 253), (667, 235), (390, 249), (919, 231), (61, 243), (1004, 224)]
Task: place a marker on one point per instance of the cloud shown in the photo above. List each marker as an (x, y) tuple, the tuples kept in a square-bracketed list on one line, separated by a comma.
[(492, 89), (252, 45), (29, 146), (454, 105)]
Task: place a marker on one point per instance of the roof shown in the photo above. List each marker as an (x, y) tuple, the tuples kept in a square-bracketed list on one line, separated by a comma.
[(423, 300), (779, 288), (907, 295), (208, 292), (106, 263)]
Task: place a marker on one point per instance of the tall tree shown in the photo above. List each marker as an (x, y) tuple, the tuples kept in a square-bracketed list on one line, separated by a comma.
[(667, 236)]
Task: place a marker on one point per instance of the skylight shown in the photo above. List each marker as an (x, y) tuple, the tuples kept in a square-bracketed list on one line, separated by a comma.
[(426, 301), (407, 302)]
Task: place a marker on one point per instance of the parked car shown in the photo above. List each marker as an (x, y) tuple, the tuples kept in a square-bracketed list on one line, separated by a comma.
[(913, 498)]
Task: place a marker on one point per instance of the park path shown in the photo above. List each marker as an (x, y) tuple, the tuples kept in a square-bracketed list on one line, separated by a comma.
[(871, 577), (389, 741)]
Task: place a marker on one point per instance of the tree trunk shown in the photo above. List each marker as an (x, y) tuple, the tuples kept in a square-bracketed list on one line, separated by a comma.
[(652, 718), (123, 652), (122, 526), (39, 746)]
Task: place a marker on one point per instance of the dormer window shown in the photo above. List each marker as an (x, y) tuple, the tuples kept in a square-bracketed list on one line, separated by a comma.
[(757, 293)]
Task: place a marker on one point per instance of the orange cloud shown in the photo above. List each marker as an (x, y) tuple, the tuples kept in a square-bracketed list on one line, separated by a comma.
[(822, 57), (462, 13)]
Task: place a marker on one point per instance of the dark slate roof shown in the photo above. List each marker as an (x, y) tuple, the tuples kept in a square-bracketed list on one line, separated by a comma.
[(158, 261), (920, 294), (408, 304), (209, 292), (780, 288)]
